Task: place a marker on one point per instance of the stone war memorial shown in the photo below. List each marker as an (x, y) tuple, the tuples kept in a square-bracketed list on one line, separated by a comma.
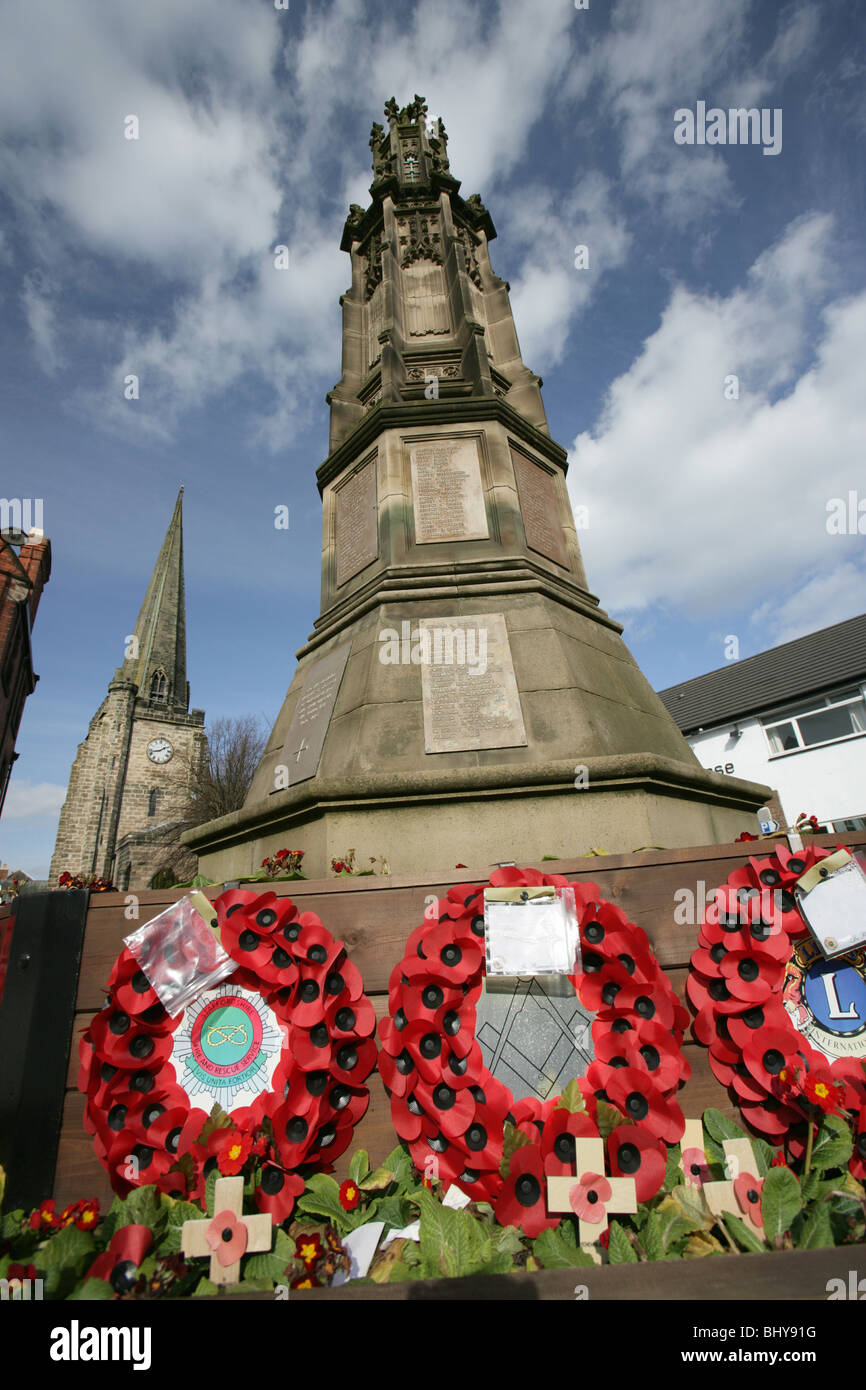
[(462, 677), (508, 1065)]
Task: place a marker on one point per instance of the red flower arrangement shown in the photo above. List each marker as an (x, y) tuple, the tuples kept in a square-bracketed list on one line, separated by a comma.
[(293, 979), (451, 1111), (739, 985)]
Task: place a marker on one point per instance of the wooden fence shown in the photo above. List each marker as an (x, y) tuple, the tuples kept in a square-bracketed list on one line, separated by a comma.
[(374, 916)]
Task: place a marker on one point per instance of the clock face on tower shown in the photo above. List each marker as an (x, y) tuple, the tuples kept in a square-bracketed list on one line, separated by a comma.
[(159, 750)]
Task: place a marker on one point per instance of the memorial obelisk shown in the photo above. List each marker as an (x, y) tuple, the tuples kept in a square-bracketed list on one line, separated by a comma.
[(463, 697)]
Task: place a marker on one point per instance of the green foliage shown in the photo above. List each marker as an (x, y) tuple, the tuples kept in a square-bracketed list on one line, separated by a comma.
[(553, 1251), (833, 1144), (745, 1235), (572, 1100), (620, 1250), (781, 1201), (271, 1264), (513, 1139)]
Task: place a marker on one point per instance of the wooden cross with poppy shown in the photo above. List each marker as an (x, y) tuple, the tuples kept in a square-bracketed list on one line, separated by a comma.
[(227, 1235), (589, 1194), (739, 1194)]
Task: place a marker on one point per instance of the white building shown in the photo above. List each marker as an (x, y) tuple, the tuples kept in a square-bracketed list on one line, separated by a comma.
[(793, 717)]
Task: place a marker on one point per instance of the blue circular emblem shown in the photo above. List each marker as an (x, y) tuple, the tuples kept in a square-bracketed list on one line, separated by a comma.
[(836, 996)]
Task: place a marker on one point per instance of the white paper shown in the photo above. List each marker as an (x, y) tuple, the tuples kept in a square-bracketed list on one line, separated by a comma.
[(536, 937), (835, 909), (412, 1232), (360, 1244), (455, 1198)]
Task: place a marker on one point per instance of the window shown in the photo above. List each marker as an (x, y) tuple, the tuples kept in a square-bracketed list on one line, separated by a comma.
[(151, 809), (158, 687), (825, 719)]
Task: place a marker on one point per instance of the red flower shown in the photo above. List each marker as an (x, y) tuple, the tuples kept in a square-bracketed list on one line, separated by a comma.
[(745, 836), (231, 1149), (277, 1191), (64, 879), (747, 1190), (128, 1247), (633, 1093), (84, 1214), (635, 1153), (45, 1218), (306, 1281), (21, 1272), (589, 1196), (349, 1195), (820, 1089), (265, 863), (309, 1248), (338, 866), (227, 1237), (522, 1200), (280, 855)]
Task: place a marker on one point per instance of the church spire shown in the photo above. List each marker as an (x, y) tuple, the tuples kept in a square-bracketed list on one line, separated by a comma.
[(157, 658)]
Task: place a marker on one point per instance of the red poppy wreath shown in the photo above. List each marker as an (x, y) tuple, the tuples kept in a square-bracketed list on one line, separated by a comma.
[(285, 1044), (776, 1016), (452, 1111)]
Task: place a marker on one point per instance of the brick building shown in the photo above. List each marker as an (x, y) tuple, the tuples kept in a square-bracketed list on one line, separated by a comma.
[(132, 774), (25, 568)]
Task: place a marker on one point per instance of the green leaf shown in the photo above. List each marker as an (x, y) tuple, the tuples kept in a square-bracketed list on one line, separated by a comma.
[(270, 1265), (672, 1224), (217, 1119), (718, 1128), (359, 1166), (451, 1241), (746, 1236), (178, 1213), (781, 1200), (394, 1210), (143, 1207), (764, 1153), (813, 1185), (513, 1139), (11, 1224), (92, 1290), (816, 1232), (553, 1252), (204, 1289), (673, 1171), (652, 1237), (508, 1239), (620, 1250), (608, 1118), (690, 1205), (210, 1190), (571, 1099), (833, 1144), (396, 1168), (69, 1248)]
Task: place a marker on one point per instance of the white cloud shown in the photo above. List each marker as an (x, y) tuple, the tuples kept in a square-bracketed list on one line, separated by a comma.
[(702, 503), (550, 292), (41, 320), (24, 800)]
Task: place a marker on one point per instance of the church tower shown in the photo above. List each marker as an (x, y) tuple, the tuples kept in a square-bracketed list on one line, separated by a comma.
[(462, 694), (131, 777)]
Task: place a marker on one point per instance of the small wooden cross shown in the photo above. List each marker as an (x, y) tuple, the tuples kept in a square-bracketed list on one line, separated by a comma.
[(721, 1197), (693, 1140), (589, 1158), (227, 1226)]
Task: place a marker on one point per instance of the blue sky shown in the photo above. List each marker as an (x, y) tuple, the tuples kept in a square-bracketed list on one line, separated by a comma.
[(707, 514)]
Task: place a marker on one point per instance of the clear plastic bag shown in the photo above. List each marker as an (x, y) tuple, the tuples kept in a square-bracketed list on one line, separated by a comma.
[(180, 952), (531, 931)]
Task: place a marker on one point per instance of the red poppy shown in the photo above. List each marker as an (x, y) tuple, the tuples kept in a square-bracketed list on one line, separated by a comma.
[(350, 1195), (589, 1196), (278, 1191), (695, 1167), (633, 1093), (128, 1248), (747, 1190), (558, 1140), (309, 1248), (227, 1237), (635, 1153), (522, 1201), (280, 855), (770, 1052), (751, 975)]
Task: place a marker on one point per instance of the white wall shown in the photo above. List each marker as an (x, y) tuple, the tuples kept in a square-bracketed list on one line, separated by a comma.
[(828, 782)]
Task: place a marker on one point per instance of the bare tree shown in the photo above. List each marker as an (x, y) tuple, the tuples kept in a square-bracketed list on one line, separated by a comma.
[(219, 782)]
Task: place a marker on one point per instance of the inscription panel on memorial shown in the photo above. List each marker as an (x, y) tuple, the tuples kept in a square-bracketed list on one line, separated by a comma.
[(468, 688), (357, 525), (447, 493), (538, 506), (306, 737)]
